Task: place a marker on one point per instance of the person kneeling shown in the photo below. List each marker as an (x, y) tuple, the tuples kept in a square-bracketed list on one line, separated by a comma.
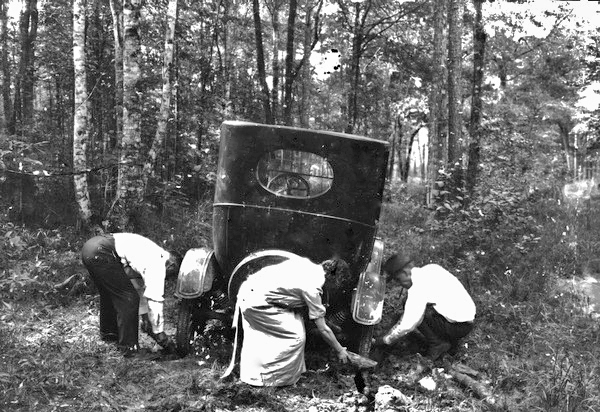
[(437, 305), (269, 307)]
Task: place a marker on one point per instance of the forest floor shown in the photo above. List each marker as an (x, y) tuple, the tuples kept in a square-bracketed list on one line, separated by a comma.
[(540, 355)]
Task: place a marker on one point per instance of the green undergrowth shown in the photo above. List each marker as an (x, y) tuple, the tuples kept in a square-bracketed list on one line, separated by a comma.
[(534, 345)]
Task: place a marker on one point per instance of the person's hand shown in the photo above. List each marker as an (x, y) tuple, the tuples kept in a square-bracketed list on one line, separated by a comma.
[(378, 342), (146, 324), (162, 339), (343, 355)]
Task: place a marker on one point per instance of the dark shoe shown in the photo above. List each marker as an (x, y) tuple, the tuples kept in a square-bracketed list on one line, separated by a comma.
[(435, 351), (140, 354), (146, 356)]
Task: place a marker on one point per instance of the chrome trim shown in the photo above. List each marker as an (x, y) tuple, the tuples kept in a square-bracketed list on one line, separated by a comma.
[(281, 209)]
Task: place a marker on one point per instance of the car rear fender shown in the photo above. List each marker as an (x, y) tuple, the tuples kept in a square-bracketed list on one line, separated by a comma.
[(198, 270)]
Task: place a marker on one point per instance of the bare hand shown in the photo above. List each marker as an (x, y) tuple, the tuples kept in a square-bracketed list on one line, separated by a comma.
[(146, 324), (343, 355)]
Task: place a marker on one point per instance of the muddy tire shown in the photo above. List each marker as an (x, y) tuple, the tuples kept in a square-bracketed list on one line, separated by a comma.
[(190, 325), (365, 340)]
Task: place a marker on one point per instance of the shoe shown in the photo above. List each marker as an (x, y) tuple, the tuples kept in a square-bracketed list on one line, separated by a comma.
[(140, 354), (435, 351)]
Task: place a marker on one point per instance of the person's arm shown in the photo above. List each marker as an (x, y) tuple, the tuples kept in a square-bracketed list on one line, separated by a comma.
[(331, 340), (153, 323), (150, 321), (414, 310)]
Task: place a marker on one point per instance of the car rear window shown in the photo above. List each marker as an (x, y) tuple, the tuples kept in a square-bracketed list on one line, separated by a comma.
[(295, 174)]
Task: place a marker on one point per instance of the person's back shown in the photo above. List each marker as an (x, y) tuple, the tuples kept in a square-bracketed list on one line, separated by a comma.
[(442, 289)]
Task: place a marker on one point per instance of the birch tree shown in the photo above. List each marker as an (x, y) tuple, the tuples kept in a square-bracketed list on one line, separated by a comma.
[(437, 98), (167, 92), (455, 13), (130, 182), (115, 9), (80, 116)]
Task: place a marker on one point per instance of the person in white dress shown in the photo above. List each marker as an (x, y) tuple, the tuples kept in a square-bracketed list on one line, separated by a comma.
[(274, 335)]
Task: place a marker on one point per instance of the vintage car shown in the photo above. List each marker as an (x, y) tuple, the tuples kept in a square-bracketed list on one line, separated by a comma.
[(282, 190)]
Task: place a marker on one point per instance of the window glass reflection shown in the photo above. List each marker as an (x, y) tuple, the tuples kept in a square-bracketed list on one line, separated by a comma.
[(296, 174)]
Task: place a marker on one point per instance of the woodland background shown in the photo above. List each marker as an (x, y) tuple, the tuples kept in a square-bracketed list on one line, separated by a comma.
[(110, 119)]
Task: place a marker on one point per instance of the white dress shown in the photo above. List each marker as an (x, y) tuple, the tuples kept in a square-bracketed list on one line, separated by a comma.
[(274, 335)]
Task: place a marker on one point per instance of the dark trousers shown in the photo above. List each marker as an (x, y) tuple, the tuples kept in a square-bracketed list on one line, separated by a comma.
[(437, 329), (119, 301)]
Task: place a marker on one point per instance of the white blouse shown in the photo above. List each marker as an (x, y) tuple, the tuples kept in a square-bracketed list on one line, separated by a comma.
[(148, 259)]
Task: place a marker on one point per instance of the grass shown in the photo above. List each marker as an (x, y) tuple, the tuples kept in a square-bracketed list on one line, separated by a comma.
[(534, 345)]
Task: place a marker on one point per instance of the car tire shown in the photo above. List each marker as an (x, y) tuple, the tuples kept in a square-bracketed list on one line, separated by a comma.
[(190, 325), (365, 340)]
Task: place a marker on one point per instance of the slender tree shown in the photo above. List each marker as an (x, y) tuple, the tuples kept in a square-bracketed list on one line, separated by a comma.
[(455, 12), (117, 17), (80, 117), (130, 181), (167, 91), (275, 7), (312, 28), (289, 63), (475, 132), (23, 100), (437, 117), (260, 63), (6, 78)]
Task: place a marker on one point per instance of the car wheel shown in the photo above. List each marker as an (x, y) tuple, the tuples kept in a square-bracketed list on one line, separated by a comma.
[(365, 340), (190, 325)]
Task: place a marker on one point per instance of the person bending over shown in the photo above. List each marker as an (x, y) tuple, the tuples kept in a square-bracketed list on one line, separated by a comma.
[(274, 334), (437, 305), (129, 271)]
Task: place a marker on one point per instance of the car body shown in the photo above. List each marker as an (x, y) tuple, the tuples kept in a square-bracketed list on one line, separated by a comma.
[(282, 190)]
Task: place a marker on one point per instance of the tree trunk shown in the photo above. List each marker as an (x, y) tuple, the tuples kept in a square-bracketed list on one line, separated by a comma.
[(27, 93), (276, 63), (312, 28), (303, 101), (227, 66), (115, 9), (6, 100), (409, 146), (130, 182), (455, 12), (260, 62), (437, 119), (289, 64), (479, 38), (167, 92), (23, 102), (354, 69), (80, 116)]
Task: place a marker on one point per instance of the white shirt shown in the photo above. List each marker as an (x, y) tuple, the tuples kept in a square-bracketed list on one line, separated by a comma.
[(433, 284), (148, 259)]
